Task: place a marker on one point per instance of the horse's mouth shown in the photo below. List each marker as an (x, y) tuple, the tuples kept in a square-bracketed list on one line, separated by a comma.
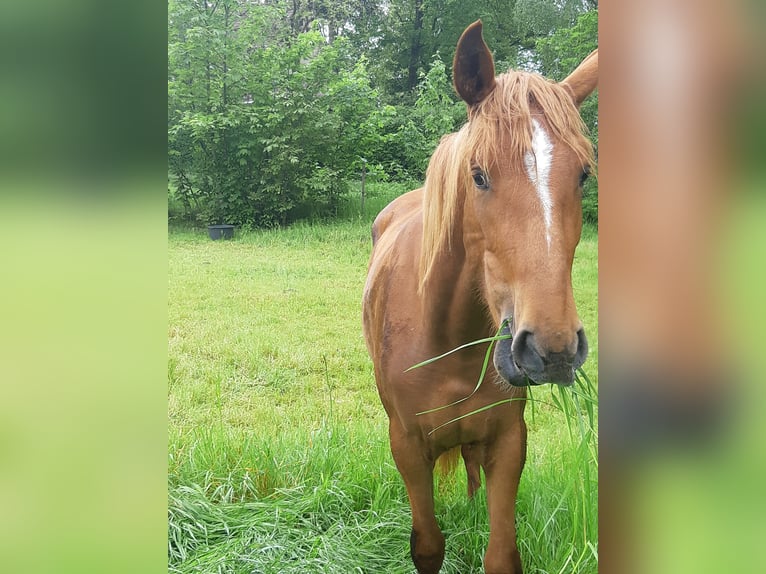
[(559, 371), (514, 375)]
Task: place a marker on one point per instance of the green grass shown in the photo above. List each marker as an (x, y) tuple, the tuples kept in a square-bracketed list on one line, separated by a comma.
[(278, 451)]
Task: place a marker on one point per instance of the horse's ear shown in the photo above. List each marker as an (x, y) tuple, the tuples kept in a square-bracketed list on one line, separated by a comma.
[(584, 79), (473, 69)]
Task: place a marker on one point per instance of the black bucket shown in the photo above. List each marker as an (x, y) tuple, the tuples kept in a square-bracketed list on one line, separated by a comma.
[(220, 231)]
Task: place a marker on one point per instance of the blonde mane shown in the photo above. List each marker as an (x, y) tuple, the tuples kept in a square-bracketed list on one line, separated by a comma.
[(501, 122)]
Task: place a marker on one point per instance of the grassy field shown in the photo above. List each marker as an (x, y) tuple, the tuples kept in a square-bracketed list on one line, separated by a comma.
[(278, 451)]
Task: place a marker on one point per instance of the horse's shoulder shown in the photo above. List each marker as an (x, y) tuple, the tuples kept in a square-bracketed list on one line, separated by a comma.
[(398, 210)]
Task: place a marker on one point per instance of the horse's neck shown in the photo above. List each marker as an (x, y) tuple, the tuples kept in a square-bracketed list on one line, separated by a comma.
[(453, 310)]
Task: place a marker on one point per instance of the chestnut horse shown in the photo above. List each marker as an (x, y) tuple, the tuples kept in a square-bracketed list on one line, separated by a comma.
[(489, 240)]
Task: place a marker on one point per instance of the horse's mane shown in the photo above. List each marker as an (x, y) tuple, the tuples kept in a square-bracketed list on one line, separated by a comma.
[(502, 121)]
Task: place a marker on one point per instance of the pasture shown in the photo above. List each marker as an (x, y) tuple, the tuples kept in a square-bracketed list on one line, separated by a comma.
[(278, 455)]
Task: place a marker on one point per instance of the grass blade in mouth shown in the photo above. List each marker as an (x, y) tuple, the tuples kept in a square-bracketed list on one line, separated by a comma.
[(485, 365)]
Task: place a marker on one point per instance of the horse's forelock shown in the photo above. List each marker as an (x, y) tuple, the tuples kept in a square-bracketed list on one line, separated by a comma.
[(502, 123)]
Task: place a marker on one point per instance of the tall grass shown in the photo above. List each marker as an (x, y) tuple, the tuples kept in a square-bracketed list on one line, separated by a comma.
[(377, 196), (278, 448)]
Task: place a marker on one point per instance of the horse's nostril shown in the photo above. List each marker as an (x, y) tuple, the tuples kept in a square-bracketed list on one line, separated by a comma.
[(541, 364), (525, 353), (582, 349)]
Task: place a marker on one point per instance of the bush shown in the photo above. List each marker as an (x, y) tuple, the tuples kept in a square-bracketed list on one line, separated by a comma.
[(284, 143), (283, 140)]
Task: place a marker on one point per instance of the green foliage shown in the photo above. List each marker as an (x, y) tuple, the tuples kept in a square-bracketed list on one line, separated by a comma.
[(590, 201), (540, 18), (437, 108), (275, 108), (565, 48), (415, 130), (281, 143)]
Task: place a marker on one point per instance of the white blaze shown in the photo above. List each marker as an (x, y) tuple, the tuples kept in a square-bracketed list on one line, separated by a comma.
[(538, 161)]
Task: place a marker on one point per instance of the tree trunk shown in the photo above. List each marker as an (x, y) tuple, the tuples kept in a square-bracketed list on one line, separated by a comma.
[(416, 47), (225, 54)]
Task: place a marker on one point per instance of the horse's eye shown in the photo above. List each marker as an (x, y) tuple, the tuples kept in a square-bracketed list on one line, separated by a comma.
[(584, 175), (480, 180)]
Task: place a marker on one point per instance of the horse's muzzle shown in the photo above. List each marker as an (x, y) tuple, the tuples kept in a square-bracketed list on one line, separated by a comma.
[(521, 362)]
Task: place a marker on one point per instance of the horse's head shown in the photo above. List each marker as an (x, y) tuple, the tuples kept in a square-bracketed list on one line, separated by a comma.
[(524, 160)]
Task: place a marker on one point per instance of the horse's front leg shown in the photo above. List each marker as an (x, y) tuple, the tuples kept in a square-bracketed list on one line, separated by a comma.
[(503, 464), (416, 468)]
